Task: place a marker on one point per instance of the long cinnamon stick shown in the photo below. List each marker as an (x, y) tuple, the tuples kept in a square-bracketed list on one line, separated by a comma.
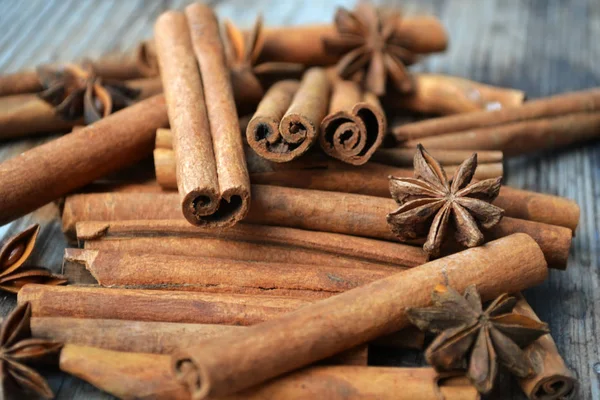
[(212, 174), (402, 157), (443, 94), (248, 242), (554, 106), (355, 125), (51, 170), (225, 365), (216, 275), (349, 214), (552, 380), (521, 137)]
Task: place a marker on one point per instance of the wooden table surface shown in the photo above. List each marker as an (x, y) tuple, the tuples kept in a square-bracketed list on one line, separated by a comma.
[(542, 47)]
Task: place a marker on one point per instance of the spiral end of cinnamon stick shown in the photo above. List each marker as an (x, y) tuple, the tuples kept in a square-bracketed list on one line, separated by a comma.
[(208, 209), (192, 376), (554, 388)]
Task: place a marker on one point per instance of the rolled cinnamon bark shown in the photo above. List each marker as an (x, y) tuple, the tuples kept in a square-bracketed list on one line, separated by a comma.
[(117, 269), (554, 106), (146, 337), (349, 214), (19, 83), (56, 168), (211, 170), (401, 157), (304, 45), (355, 125), (248, 242), (552, 379), (231, 363), (443, 94)]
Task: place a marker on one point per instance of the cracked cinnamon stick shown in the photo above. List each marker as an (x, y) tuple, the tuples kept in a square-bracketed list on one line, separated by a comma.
[(231, 363), (553, 106), (212, 175), (552, 378), (56, 168), (443, 94), (372, 179), (117, 269), (349, 214), (249, 242), (355, 126)]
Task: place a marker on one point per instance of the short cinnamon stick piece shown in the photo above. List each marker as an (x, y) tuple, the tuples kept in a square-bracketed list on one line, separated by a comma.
[(355, 126), (248, 242), (212, 175), (552, 380), (554, 106), (49, 171), (225, 365)]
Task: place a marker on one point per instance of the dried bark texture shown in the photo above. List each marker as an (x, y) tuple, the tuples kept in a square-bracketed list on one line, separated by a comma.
[(401, 157), (19, 83), (147, 337), (521, 137), (155, 305), (442, 94), (355, 125), (303, 44), (552, 380), (216, 275), (51, 170), (248, 242), (225, 365), (212, 174), (349, 214), (554, 106)]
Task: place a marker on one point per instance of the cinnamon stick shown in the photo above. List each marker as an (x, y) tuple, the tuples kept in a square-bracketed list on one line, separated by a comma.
[(247, 242), (231, 363), (303, 44), (355, 125), (119, 374), (443, 94), (402, 157), (554, 106), (349, 214), (373, 180), (552, 378), (51, 170), (212, 174), (116, 269), (146, 337)]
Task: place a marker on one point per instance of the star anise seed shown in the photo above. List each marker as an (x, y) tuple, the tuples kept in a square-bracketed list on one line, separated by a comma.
[(371, 48), (476, 340), (429, 203)]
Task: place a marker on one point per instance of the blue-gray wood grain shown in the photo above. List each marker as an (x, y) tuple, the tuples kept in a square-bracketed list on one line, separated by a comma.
[(540, 46)]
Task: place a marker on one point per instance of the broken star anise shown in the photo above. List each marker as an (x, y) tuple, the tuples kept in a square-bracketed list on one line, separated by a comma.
[(13, 254), (242, 53), (18, 350), (371, 48), (76, 92), (475, 339), (429, 203)]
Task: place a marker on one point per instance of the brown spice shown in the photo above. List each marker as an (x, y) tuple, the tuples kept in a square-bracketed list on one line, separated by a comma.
[(402, 157), (49, 171), (355, 126), (225, 365)]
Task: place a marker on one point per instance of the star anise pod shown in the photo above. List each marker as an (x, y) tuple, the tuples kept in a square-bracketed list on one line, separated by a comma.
[(475, 339), (13, 254), (18, 350), (76, 92), (242, 53), (372, 48), (429, 203)]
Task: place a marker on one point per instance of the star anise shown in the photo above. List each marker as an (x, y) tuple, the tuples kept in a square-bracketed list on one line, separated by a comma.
[(76, 92), (429, 203), (242, 53), (372, 48), (18, 350), (13, 254), (475, 339)]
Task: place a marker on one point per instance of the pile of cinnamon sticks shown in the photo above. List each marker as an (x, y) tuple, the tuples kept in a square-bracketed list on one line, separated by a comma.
[(257, 260)]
